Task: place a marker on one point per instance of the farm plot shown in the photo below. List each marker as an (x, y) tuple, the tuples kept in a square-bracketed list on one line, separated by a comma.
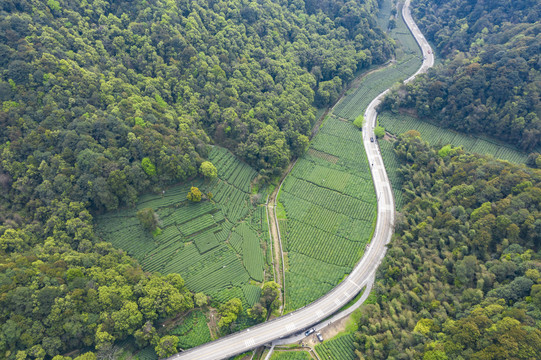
[(193, 331), (338, 348), (384, 14), (400, 123), (330, 205), (301, 290), (253, 258), (214, 245)]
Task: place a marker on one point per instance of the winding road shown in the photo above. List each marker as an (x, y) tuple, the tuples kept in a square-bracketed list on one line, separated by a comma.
[(363, 273)]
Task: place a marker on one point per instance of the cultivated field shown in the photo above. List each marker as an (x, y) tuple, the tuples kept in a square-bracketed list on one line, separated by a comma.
[(338, 348), (399, 123), (216, 246), (330, 204)]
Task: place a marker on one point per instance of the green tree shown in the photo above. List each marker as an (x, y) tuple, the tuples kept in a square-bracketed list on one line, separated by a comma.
[(194, 194), (270, 295), (146, 335), (229, 312), (167, 346), (148, 218), (359, 121), (257, 312), (162, 297), (446, 151), (208, 170), (148, 167), (379, 131), (201, 299), (86, 356)]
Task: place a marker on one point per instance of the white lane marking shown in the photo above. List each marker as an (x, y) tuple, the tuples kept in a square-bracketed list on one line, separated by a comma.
[(290, 327), (249, 343), (337, 302), (346, 293), (319, 314), (353, 282)]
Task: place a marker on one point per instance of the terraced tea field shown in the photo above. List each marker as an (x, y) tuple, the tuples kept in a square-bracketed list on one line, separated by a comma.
[(329, 197), (216, 246), (399, 123), (330, 204), (338, 348)]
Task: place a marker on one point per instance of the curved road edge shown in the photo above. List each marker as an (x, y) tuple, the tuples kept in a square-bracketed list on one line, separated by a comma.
[(362, 274)]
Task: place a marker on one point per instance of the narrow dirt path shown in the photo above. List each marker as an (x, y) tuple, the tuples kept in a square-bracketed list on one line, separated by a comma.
[(274, 228)]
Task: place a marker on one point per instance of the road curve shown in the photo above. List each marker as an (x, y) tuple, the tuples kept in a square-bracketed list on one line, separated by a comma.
[(364, 271)]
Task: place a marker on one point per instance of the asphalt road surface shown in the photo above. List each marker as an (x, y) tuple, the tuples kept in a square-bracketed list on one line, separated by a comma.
[(363, 272)]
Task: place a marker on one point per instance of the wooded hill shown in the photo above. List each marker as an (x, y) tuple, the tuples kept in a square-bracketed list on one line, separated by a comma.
[(104, 100), (462, 276)]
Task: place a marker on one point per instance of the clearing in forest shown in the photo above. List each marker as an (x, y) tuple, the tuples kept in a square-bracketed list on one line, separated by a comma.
[(217, 245)]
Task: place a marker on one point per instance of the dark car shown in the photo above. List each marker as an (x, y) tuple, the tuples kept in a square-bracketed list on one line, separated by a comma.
[(309, 331), (372, 139)]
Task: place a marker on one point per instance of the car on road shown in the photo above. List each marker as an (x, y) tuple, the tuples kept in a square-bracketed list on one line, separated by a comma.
[(372, 139), (309, 331), (319, 337)]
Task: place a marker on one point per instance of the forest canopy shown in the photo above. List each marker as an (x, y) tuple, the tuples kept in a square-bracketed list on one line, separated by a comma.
[(101, 101), (461, 278)]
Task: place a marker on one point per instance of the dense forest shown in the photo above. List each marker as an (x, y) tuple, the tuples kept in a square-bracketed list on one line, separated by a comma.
[(104, 100), (462, 276), (490, 80)]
